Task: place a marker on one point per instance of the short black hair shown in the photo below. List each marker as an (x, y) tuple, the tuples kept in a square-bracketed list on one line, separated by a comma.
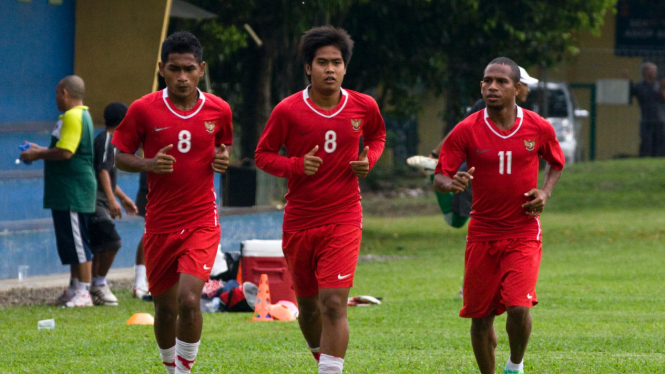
[(514, 68), (182, 42), (324, 36), (114, 113)]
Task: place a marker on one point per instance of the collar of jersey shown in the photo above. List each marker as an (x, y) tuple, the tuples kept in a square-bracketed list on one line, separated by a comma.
[(520, 115), (305, 96), (165, 95)]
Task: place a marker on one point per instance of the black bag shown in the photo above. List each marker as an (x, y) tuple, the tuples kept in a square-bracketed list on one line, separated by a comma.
[(232, 263)]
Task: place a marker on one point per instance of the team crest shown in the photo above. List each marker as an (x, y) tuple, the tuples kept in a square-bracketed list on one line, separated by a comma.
[(530, 144), (210, 126), (356, 123)]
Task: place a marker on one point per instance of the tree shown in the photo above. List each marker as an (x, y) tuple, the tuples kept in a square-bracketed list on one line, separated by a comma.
[(402, 47)]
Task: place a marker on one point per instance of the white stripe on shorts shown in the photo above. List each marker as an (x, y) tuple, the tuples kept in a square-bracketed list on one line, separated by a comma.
[(78, 241)]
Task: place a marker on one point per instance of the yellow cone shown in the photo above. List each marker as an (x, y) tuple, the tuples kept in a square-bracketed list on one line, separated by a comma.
[(141, 319)]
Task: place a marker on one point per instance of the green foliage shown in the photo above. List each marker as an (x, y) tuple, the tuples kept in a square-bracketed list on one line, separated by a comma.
[(402, 47)]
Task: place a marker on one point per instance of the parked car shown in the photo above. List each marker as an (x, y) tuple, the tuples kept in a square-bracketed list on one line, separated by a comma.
[(563, 114)]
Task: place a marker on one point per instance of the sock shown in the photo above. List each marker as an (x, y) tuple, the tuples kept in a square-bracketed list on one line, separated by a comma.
[(185, 356), (330, 364), (83, 287), (99, 280), (73, 284), (168, 359), (514, 367), (316, 352), (139, 277)]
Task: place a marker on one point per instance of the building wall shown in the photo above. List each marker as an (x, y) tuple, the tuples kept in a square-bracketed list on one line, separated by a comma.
[(617, 126), (37, 44), (430, 123), (117, 49)]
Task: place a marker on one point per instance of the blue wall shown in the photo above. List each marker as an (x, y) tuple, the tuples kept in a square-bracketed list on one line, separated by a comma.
[(37, 44)]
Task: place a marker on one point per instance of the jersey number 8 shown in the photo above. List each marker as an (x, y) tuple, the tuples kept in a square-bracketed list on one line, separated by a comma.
[(331, 141), (184, 141)]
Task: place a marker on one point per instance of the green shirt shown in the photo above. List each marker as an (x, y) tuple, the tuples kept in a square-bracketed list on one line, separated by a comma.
[(71, 184)]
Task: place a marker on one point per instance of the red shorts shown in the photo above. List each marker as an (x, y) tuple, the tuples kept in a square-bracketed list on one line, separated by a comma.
[(191, 251), (499, 274), (322, 257)]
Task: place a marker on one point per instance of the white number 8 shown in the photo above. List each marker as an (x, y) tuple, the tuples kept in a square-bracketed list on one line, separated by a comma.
[(185, 141), (331, 141)]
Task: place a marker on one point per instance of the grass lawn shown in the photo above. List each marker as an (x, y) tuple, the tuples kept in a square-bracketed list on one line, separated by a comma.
[(601, 309)]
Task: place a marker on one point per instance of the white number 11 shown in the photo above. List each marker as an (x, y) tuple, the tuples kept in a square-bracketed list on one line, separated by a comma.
[(509, 161)]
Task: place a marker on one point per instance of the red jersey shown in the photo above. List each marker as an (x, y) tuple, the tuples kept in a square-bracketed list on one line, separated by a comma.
[(332, 195), (186, 197), (506, 163)]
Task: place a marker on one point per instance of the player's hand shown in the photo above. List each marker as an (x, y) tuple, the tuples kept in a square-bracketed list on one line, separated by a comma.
[(361, 167), (537, 204), (312, 162), (461, 181), (221, 161), (162, 163), (130, 207), (114, 209)]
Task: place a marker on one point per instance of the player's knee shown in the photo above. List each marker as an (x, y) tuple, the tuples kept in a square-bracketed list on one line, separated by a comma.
[(166, 313), (188, 302), (333, 308)]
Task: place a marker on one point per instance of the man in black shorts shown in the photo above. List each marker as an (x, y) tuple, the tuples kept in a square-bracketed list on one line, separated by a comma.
[(104, 239)]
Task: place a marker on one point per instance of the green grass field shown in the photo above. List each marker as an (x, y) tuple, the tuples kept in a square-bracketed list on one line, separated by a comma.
[(601, 309)]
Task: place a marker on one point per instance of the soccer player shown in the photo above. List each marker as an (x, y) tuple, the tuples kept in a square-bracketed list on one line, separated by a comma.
[(321, 128), (186, 136), (104, 238), (502, 145)]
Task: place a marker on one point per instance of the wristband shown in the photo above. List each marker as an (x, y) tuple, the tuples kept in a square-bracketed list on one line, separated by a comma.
[(434, 154)]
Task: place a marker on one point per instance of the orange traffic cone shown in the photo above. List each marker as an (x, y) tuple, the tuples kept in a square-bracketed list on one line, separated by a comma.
[(262, 305), (141, 319)]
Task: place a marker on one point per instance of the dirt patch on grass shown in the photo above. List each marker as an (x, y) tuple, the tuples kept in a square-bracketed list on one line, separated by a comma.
[(46, 295), (382, 258)]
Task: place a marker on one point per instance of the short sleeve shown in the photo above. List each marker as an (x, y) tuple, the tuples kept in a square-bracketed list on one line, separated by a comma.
[(70, 133), (453, 152), (549, 149), (225, 133), (103, 149), (129, 135)]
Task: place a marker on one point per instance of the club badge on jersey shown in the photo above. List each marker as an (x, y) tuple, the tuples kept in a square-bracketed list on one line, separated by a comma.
[(356, 123), (210, 126), (530, 144)]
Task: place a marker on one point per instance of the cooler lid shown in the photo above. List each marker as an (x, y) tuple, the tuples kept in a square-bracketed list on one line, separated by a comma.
[(261, 248)]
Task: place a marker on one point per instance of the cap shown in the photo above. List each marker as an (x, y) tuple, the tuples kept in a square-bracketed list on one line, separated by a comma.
[(526, 78)]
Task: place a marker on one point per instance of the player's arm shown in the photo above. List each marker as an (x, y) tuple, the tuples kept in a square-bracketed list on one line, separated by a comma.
[(223, 140), (126, 202), (550, 151), (447, 177), (162, 163), (272, 139), (540, 197), (374, 141)]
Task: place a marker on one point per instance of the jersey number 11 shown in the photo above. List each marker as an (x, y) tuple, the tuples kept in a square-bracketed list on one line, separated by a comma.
[(507, 158)]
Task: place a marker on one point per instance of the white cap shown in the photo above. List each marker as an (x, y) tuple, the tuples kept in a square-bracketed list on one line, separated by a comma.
[(526, 78)]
